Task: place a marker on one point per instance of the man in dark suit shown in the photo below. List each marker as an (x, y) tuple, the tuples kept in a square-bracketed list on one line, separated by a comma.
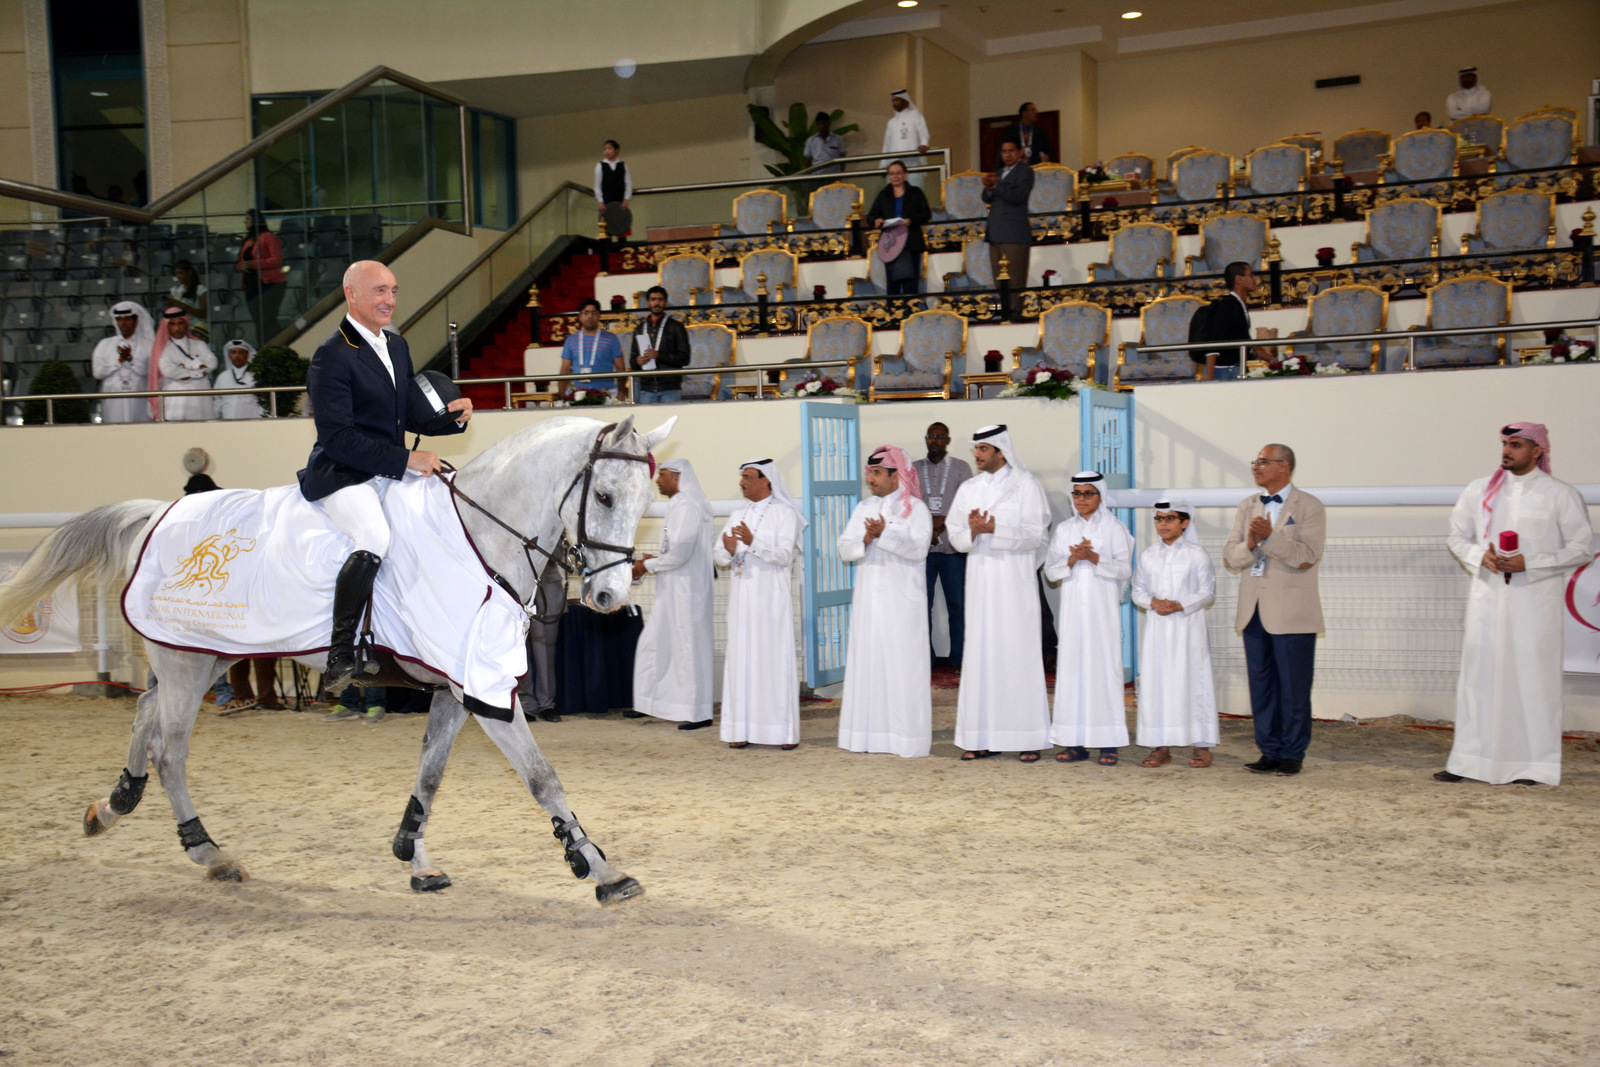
[(359, 384), (1277, 540), (1007, 230), (1033, 141), (1230, 321)]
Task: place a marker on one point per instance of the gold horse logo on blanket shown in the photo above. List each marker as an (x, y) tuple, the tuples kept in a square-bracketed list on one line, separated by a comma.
[(206, 563)]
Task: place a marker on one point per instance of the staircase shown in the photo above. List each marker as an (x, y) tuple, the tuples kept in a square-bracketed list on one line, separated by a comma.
[(499, 352)]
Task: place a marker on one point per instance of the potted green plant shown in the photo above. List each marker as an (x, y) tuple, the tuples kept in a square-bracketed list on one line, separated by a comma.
[(54, 376), (276, 366)]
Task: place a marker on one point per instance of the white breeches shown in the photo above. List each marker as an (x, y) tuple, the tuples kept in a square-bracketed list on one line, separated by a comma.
[(357, 511)]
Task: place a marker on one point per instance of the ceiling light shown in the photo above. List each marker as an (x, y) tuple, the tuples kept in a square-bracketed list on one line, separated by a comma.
[(907, 3), (97, 92), (1132, 14)]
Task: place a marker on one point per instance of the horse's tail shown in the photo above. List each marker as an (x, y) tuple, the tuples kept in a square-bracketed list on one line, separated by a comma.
[(96, 542)]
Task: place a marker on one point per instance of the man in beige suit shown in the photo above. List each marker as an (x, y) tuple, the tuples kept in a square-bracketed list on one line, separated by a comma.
[(1277, 542)]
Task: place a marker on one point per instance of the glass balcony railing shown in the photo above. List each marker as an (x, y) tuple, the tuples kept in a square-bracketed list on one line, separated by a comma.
[(66, 259)]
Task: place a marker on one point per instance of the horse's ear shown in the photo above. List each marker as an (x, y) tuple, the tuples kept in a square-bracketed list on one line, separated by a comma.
[(659, 434), (620, 434)]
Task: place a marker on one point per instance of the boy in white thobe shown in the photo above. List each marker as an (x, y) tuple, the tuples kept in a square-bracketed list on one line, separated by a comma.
[(236, 373), (122, 363), (886, 707), (1175, 582), (1091, 555), (672, 664), (760, 686), (1508, 696), (1000, 518)]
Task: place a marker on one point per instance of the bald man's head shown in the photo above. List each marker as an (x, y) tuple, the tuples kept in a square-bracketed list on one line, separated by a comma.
[(370, 291)]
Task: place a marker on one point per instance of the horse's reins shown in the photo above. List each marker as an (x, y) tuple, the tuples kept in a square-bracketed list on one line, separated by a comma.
[(572, 560)]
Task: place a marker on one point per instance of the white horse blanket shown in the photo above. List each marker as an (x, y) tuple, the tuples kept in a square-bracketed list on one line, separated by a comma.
[(247, 572)]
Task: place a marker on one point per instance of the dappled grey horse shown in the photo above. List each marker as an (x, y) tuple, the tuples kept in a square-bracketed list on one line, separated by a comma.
[(566, 475)]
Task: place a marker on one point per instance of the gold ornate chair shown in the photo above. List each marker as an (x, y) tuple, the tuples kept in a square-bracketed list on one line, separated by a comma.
[(833, 338), (1073, 335), (716, 348), (1462, 302), (781, 269), (1513, 220), (1343, 309), (1161, 322), (930, 343), (687, 278), (831, 207), (1360, 151), (1132, 163)]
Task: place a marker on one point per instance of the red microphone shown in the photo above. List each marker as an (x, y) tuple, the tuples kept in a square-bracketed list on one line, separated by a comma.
[(1508, 546)]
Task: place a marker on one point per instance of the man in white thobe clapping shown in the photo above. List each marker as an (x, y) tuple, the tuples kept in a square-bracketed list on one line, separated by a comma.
[(760, 686), (1175, 582), (1000, 519), (887, 705), (1091, 555), (672, 664), (1517, 532)]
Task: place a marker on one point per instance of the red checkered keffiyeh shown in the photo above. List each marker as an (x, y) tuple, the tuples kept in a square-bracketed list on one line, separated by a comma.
[(1536, 432), (895, 459)]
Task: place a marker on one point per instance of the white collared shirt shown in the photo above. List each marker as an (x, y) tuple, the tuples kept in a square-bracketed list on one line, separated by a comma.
[(380, 344), (1271, 510)]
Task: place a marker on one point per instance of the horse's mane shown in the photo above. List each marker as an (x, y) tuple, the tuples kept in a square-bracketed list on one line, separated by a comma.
[(527, 438)]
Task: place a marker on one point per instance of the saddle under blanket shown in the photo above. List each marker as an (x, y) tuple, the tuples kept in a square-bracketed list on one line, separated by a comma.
[(245, 572)]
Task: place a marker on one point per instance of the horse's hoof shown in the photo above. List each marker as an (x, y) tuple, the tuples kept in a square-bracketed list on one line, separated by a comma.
[(615, 893), (92, 826), (226, 871), (430, 883)]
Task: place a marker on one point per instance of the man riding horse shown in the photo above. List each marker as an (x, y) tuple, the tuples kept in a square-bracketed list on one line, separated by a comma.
[(360, 388)]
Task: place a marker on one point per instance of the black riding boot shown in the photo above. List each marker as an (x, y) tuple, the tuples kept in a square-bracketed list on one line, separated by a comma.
[(350, 594)]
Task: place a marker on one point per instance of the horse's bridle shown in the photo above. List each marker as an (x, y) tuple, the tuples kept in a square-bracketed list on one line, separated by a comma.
[(569, 557)]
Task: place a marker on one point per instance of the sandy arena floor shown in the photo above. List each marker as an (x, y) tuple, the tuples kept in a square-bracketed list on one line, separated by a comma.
[(812, 907)]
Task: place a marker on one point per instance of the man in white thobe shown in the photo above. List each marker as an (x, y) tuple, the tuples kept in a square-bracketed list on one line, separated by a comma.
[(180, 360), (907, 130), (672, 663), (887, 705), (1175, 582), (1091, 555), (236, 373), (760, 687), (1000, 518), (1471, 99), (122, 363), (1518, 532)]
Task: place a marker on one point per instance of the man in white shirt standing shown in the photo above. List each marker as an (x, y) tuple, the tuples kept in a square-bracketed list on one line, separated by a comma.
[(672, 664), (1175, 583), (887, 705), (1471, 99), (1000, 519), (760, 686), (907, 130), (1517, 532)]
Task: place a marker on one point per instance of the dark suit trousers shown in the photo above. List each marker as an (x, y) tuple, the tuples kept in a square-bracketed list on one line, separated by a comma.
[(1280, 668), (949, 569), (1016, 264)]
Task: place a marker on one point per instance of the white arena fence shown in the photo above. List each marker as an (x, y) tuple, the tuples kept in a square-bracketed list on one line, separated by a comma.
[(1394, 606)]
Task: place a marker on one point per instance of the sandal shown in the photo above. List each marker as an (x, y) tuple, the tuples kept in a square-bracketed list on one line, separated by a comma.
[(1028, 757), (790, 748), (1159, 758), (1201, 758), (238, 705), (1108, 757), (1072, 754), (982, 753), (737, 744)]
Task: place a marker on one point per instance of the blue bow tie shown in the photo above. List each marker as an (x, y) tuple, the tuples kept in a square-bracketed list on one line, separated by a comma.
[(1273, 499)]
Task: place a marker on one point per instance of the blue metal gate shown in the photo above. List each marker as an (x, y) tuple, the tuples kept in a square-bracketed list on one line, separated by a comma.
[(1107, 446), (830, 464)]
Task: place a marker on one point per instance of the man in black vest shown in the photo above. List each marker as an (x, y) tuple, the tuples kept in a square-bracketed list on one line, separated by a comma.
[(359, 385), (613, 188)]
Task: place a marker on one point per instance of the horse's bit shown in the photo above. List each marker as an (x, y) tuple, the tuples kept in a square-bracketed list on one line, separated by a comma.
[(569, 557)]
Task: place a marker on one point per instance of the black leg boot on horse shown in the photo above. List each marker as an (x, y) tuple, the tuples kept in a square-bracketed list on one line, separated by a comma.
[(351, 593)]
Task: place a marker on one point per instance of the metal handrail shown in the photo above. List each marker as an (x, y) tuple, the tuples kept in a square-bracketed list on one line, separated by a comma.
[(50, 398), (751, 183), (942, 153), (1410, 336), (488, 253), (93, 205)]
